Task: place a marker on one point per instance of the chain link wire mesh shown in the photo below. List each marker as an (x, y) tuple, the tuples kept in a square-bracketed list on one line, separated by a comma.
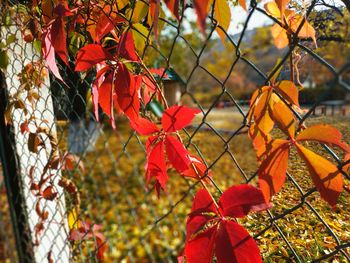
[(218, 77)]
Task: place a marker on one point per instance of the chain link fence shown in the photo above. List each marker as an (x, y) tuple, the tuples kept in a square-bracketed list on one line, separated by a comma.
[(108, 165)]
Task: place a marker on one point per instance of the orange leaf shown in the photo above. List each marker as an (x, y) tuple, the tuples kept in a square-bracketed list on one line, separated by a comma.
[(261, 113), (259, 139), (346, 166), (282, 4), (272, 172), (324, 134), (325, 175), (279, 35), (284, 118), (260, 98), (243, 4), (289, 91), (306, 31)]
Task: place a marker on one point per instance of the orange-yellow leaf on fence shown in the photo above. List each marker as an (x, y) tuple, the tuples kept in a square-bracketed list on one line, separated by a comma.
[(260, 141), (243, 4), (324, 134), (325, 175), (222, 14), (284, 118), (272, 9), (272, 171), (346, 166), (289, 91), (280, 37), (306, 31), (282, 4)]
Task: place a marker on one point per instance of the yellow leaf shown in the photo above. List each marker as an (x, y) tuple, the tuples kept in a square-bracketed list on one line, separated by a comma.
[(272, 9), (140, 34), (72, 219), (139, 12), (122, 3), (222, 14)]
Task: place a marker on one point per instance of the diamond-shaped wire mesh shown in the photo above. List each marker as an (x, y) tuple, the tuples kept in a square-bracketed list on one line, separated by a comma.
[(218, 77)]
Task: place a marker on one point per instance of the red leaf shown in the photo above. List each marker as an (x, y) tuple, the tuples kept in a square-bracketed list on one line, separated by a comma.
[(201, 248), (49, 54), (324, 134), (202, 206), (200, 167), (24, 127), (173, 6), (239, 200), (149, 88), (201, 7), (105, 94), (59, 36), (154, 12), (103, 27), (156, 166), (100, 77), (159, 71), (210, 233), (62, 9), (144, 126), (177, 117), (89, 56), (272, 171), (202, 203), (325, 175), (126, 47), (177, 154), (234, 244), (126, 87), (49, 193)]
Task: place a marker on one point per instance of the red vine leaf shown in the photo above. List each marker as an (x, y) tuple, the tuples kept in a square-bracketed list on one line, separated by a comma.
[(126, 48), (173, 6), (49, 193), (89, 55), (126, 88), (201, 7), (212, 231), (199, 168), (59, 37), (144, 126), (156, 165), (177, 154), (177, 117)]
